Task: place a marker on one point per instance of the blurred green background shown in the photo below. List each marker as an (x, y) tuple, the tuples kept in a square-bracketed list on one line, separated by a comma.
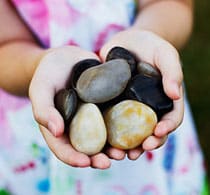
[(196, 61)]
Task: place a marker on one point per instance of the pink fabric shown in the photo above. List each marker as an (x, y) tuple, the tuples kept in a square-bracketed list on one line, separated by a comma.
[(57, 23), (8, 103), (36, 15)]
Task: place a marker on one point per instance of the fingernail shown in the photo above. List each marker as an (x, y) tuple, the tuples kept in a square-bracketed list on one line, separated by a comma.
[(176, 90), (52, 128)]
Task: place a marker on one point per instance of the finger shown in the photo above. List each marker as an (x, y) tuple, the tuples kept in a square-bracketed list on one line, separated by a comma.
[(62, 149), (153, 142), (171, 120), (100, 161), (135, 153), (115, 153), (168, 62), (41, 96), (105, 49)]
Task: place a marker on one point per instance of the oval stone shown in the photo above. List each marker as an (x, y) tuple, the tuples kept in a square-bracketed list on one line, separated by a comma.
[(104, 82), (87, 130), (122, 53), (129, 123), (149, 90), (148, 69), (66, 103), (80, 67)]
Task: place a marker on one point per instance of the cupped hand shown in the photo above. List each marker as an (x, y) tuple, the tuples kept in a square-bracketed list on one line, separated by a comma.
[(151, 48), (51, 75)]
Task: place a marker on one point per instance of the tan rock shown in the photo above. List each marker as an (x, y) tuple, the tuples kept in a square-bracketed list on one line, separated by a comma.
[(129, 123), (87, 130)]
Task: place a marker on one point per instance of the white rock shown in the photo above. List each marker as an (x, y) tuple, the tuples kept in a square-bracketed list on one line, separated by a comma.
[(87, 130)]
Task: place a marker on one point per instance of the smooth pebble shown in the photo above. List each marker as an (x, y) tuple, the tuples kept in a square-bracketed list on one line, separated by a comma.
[(129, 123), (66, 103), (104, 82), (122, 53), (149, 90), (80, 67), (87, 130), (148, 69)]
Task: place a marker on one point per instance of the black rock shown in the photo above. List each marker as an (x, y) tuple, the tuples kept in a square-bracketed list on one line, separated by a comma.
[(106, 105), (149, 90), (66, 104), (80, 67), (122, 53)]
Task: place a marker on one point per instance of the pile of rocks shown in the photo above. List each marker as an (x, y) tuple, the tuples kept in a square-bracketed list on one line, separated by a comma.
[(119, 102)]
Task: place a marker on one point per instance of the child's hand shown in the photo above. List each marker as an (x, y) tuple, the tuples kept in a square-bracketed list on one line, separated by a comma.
[(153, 49), (50, 76)]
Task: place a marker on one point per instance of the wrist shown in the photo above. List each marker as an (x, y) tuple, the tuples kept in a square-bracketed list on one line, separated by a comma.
[(150, 30), (161, 18), (36, 57)]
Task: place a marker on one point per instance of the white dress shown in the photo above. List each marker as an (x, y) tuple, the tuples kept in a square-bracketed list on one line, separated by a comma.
[(26, 164)]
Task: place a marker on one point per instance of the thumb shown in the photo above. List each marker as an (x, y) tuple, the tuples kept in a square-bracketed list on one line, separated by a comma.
[(103, 52), (169, 65), (107, 47)]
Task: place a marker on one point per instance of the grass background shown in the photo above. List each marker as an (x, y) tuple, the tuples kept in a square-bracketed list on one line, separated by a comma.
[(196, 67)]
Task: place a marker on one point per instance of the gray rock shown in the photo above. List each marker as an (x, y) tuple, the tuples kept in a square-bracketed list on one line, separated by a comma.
[(104, 82)]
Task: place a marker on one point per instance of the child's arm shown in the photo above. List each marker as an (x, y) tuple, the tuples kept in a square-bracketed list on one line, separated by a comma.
[(26, 68), (160, 26), (19, 53), (170, 19)]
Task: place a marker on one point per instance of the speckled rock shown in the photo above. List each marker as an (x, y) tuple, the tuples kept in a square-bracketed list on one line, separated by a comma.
[(66, 103), (87, 130), (104, 82), (129, 123)]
